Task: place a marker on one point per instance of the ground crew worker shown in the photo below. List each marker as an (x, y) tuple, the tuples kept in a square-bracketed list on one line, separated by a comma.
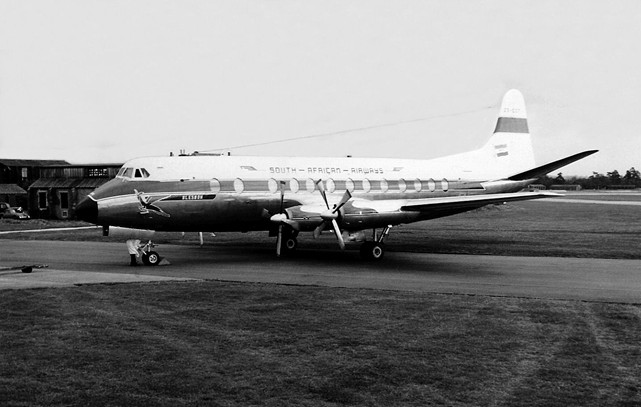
[(132, 247)]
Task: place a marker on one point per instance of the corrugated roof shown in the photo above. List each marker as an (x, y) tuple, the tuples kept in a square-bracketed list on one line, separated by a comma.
[(97, 165), (8, 162), (69, 183), (11, 189), (56, 183)]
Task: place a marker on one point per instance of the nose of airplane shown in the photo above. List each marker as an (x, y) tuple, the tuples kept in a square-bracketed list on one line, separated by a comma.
[(87, 210)]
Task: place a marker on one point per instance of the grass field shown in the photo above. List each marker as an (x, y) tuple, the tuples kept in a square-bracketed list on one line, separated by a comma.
[(232, 344), (210, 343)]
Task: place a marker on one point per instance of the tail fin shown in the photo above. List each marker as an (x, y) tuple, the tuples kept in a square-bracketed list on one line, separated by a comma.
[(510, 148)]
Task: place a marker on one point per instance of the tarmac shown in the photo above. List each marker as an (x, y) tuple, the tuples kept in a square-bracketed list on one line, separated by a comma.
[(63, 264)]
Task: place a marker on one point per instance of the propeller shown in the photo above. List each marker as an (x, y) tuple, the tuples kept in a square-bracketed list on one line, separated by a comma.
[(280, 218), (331, 215)]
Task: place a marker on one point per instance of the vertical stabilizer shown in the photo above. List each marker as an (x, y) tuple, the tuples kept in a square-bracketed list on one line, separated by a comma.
[(510, 148)]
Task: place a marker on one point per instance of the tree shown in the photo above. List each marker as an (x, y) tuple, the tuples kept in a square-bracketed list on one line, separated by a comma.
[(632, 177), (559, 179), (615, 177), (596, 181)]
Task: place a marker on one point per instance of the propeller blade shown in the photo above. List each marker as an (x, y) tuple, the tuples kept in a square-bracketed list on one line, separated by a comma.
[(282, 195), (338, 234), (319, 230), (321, 188), (279, 240), (346, 197)]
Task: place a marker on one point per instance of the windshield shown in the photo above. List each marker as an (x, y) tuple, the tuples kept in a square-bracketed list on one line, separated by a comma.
[(129, 172)]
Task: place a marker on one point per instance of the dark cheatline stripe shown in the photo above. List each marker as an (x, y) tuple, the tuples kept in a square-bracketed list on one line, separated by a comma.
[(511, 125)]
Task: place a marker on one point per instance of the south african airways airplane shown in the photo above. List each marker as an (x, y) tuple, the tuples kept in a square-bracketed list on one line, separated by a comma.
[(289, 195)]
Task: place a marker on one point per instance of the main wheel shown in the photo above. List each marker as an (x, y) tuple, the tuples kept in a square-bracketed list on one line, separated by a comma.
[(151, 258), (290, 244), (372, 250)]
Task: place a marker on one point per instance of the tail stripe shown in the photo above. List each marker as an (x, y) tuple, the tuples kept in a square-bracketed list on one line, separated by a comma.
[(511, 125)]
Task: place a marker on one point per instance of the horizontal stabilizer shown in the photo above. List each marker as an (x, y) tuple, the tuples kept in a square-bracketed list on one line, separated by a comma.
[(547, 168), (471, 201)]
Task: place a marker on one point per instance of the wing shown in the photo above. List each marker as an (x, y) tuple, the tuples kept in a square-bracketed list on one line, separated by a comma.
[(470, 201)]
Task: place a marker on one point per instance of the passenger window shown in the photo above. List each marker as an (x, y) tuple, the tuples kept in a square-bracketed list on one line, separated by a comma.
[(239, 185), (366, 185), (294, 186), (349, 185), (214, 185), (402, 186), (330, 185), (445, 185), (272, 185), (310, 184), (431, 185)]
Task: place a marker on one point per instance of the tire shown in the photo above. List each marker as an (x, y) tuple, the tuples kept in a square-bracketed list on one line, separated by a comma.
[(151, 258), (290, 244), (372, 250)]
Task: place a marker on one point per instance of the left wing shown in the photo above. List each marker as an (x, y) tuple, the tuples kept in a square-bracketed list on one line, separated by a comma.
[(471, 201)]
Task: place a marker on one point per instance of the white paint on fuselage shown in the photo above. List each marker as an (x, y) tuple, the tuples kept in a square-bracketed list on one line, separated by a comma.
[(285, 168)]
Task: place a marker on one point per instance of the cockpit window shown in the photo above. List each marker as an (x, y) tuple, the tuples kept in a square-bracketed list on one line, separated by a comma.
[(133, 172)]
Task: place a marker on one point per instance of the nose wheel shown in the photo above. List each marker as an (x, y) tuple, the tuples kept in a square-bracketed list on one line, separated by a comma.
[(151, 258)]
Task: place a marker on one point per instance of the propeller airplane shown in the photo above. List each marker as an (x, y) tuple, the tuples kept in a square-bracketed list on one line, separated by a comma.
[(289, 195)]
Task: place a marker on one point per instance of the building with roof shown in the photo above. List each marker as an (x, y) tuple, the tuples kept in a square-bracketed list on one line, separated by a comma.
[(61, 187), (13, 195), (17, 175)]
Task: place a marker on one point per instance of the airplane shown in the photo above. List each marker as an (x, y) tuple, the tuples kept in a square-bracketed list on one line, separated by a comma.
[(289, 195)]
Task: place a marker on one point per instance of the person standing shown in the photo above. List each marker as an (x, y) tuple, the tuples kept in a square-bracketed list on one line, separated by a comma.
[(132, 247)]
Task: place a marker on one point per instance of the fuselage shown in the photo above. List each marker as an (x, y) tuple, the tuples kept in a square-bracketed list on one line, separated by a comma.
[(234, 193)]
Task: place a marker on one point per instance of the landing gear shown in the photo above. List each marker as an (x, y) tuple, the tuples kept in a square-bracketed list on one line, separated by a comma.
[(289, 242), (372, 250), (375, 250), (149, 257)]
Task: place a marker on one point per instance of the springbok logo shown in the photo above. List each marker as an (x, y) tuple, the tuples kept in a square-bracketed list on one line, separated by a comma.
[(146, 204)]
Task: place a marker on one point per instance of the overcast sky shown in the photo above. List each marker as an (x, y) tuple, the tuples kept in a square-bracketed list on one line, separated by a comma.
[(106, 81)]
